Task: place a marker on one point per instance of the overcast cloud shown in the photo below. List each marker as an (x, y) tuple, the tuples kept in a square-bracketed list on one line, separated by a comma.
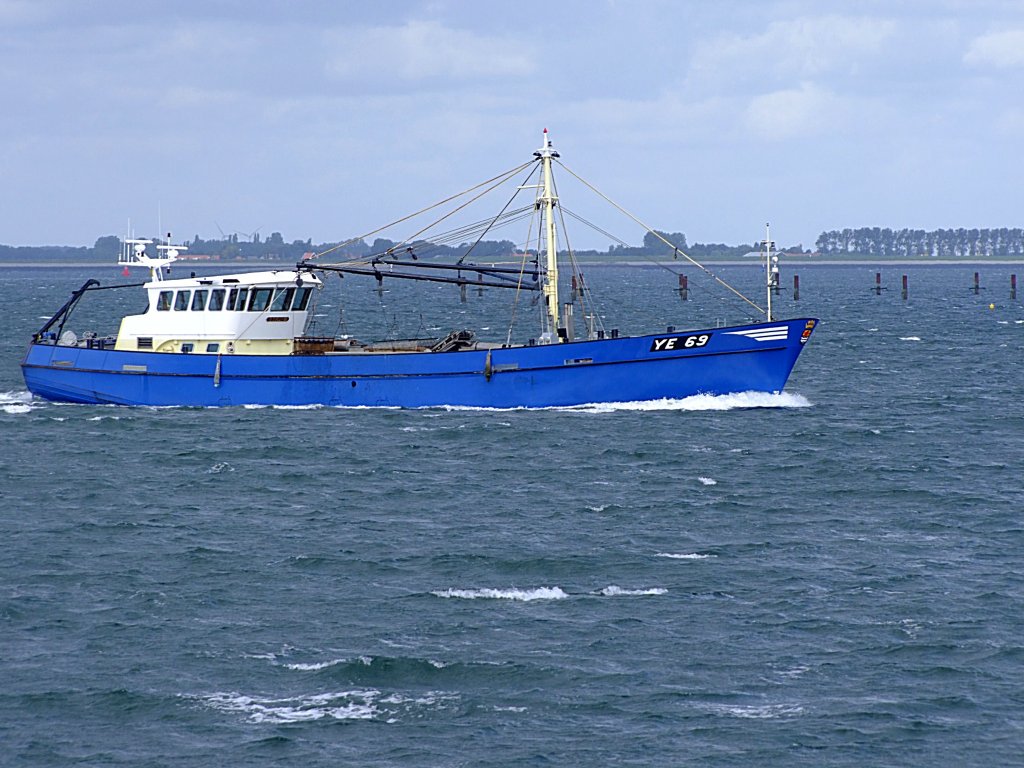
[(323, 119)]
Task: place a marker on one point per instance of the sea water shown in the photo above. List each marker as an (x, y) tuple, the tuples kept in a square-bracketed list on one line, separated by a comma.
[(829, 576)]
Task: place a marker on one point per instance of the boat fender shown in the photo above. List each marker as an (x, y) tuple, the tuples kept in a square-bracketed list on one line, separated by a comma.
[(216, 373), (487, 366)]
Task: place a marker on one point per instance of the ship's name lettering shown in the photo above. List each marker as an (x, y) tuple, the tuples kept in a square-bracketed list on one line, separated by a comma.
[(680, 342)]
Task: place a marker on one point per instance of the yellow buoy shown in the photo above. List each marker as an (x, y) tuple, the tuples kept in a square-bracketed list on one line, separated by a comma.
[(991, 306)]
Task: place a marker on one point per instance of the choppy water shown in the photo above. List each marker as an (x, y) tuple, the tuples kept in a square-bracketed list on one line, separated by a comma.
[(831, 576)]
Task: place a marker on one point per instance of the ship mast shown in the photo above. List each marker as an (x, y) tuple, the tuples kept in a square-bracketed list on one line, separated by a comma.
[(548, 200), (771, 268)]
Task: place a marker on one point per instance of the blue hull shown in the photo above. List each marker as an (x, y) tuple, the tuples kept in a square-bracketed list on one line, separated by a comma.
[(670, 365)]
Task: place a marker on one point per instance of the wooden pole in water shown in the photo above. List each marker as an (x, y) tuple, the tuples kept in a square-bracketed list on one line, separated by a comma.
[(904, 287), (796, 287), (1013, 286), (878, 283), (480, 288), (683, 288), (462, 293), (977, 286)]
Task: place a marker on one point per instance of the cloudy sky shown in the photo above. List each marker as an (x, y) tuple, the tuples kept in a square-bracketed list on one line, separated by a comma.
[(324, 118)]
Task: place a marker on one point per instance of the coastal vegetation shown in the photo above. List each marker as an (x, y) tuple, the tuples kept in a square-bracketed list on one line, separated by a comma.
[(912, 243), (866, 242)]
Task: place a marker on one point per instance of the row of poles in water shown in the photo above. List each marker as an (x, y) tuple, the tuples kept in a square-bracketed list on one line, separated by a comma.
[(684, 290)]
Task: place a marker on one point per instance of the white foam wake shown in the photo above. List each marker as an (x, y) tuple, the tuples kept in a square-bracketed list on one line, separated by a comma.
[(692, 403), (541, 593), (16, 402), (689, 556), (704, 403)]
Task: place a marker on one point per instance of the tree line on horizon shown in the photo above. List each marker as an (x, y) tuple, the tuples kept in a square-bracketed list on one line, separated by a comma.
[(915, 243), (865, 241)]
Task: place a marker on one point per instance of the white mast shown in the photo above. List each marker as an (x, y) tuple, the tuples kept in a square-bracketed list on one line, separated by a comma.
[(771, 268), (548, 200)]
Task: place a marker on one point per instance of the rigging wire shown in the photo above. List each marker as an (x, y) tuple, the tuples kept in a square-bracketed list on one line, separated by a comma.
[(515, 194), (502, 180), (502, 176), (522, 271), (459, 236), (461, 233), (677, 249), (586, 295)]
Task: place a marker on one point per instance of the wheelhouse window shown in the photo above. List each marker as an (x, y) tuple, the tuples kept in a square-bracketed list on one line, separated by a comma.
[(260, 299), (282, 299), (236, 299), (199, 300), (216, 300), (181, 301), (301, 299), (213, 346), (163, 301)]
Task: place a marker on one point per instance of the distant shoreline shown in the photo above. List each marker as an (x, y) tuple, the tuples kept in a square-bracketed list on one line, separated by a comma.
[(228, 267)]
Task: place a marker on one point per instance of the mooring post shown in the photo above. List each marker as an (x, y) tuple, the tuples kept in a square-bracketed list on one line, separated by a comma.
[(1013, 286), (878, 283), (462, 292), (977, 283), (904, 287), (796, 287), (480, 288), (575, 288), (683, 288)]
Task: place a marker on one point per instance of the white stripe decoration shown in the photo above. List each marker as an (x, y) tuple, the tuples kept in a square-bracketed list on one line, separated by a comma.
[(775, 333)]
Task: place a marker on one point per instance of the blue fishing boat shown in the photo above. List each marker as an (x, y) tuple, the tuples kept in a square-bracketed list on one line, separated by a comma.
[(241, 339)]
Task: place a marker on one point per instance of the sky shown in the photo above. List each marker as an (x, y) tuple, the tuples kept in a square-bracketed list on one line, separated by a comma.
[(324, 119)]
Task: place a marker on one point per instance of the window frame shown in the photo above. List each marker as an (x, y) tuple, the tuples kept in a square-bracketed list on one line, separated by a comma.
[(282, 300), (260, 295), (301, 300)]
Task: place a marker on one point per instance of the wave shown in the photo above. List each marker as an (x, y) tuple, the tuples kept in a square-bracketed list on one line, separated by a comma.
[(525, 595), (256, 407), (707, 481), (343, 705), (614, 591), (910, 338), (761, 712), (315, 666), (690, 556)]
